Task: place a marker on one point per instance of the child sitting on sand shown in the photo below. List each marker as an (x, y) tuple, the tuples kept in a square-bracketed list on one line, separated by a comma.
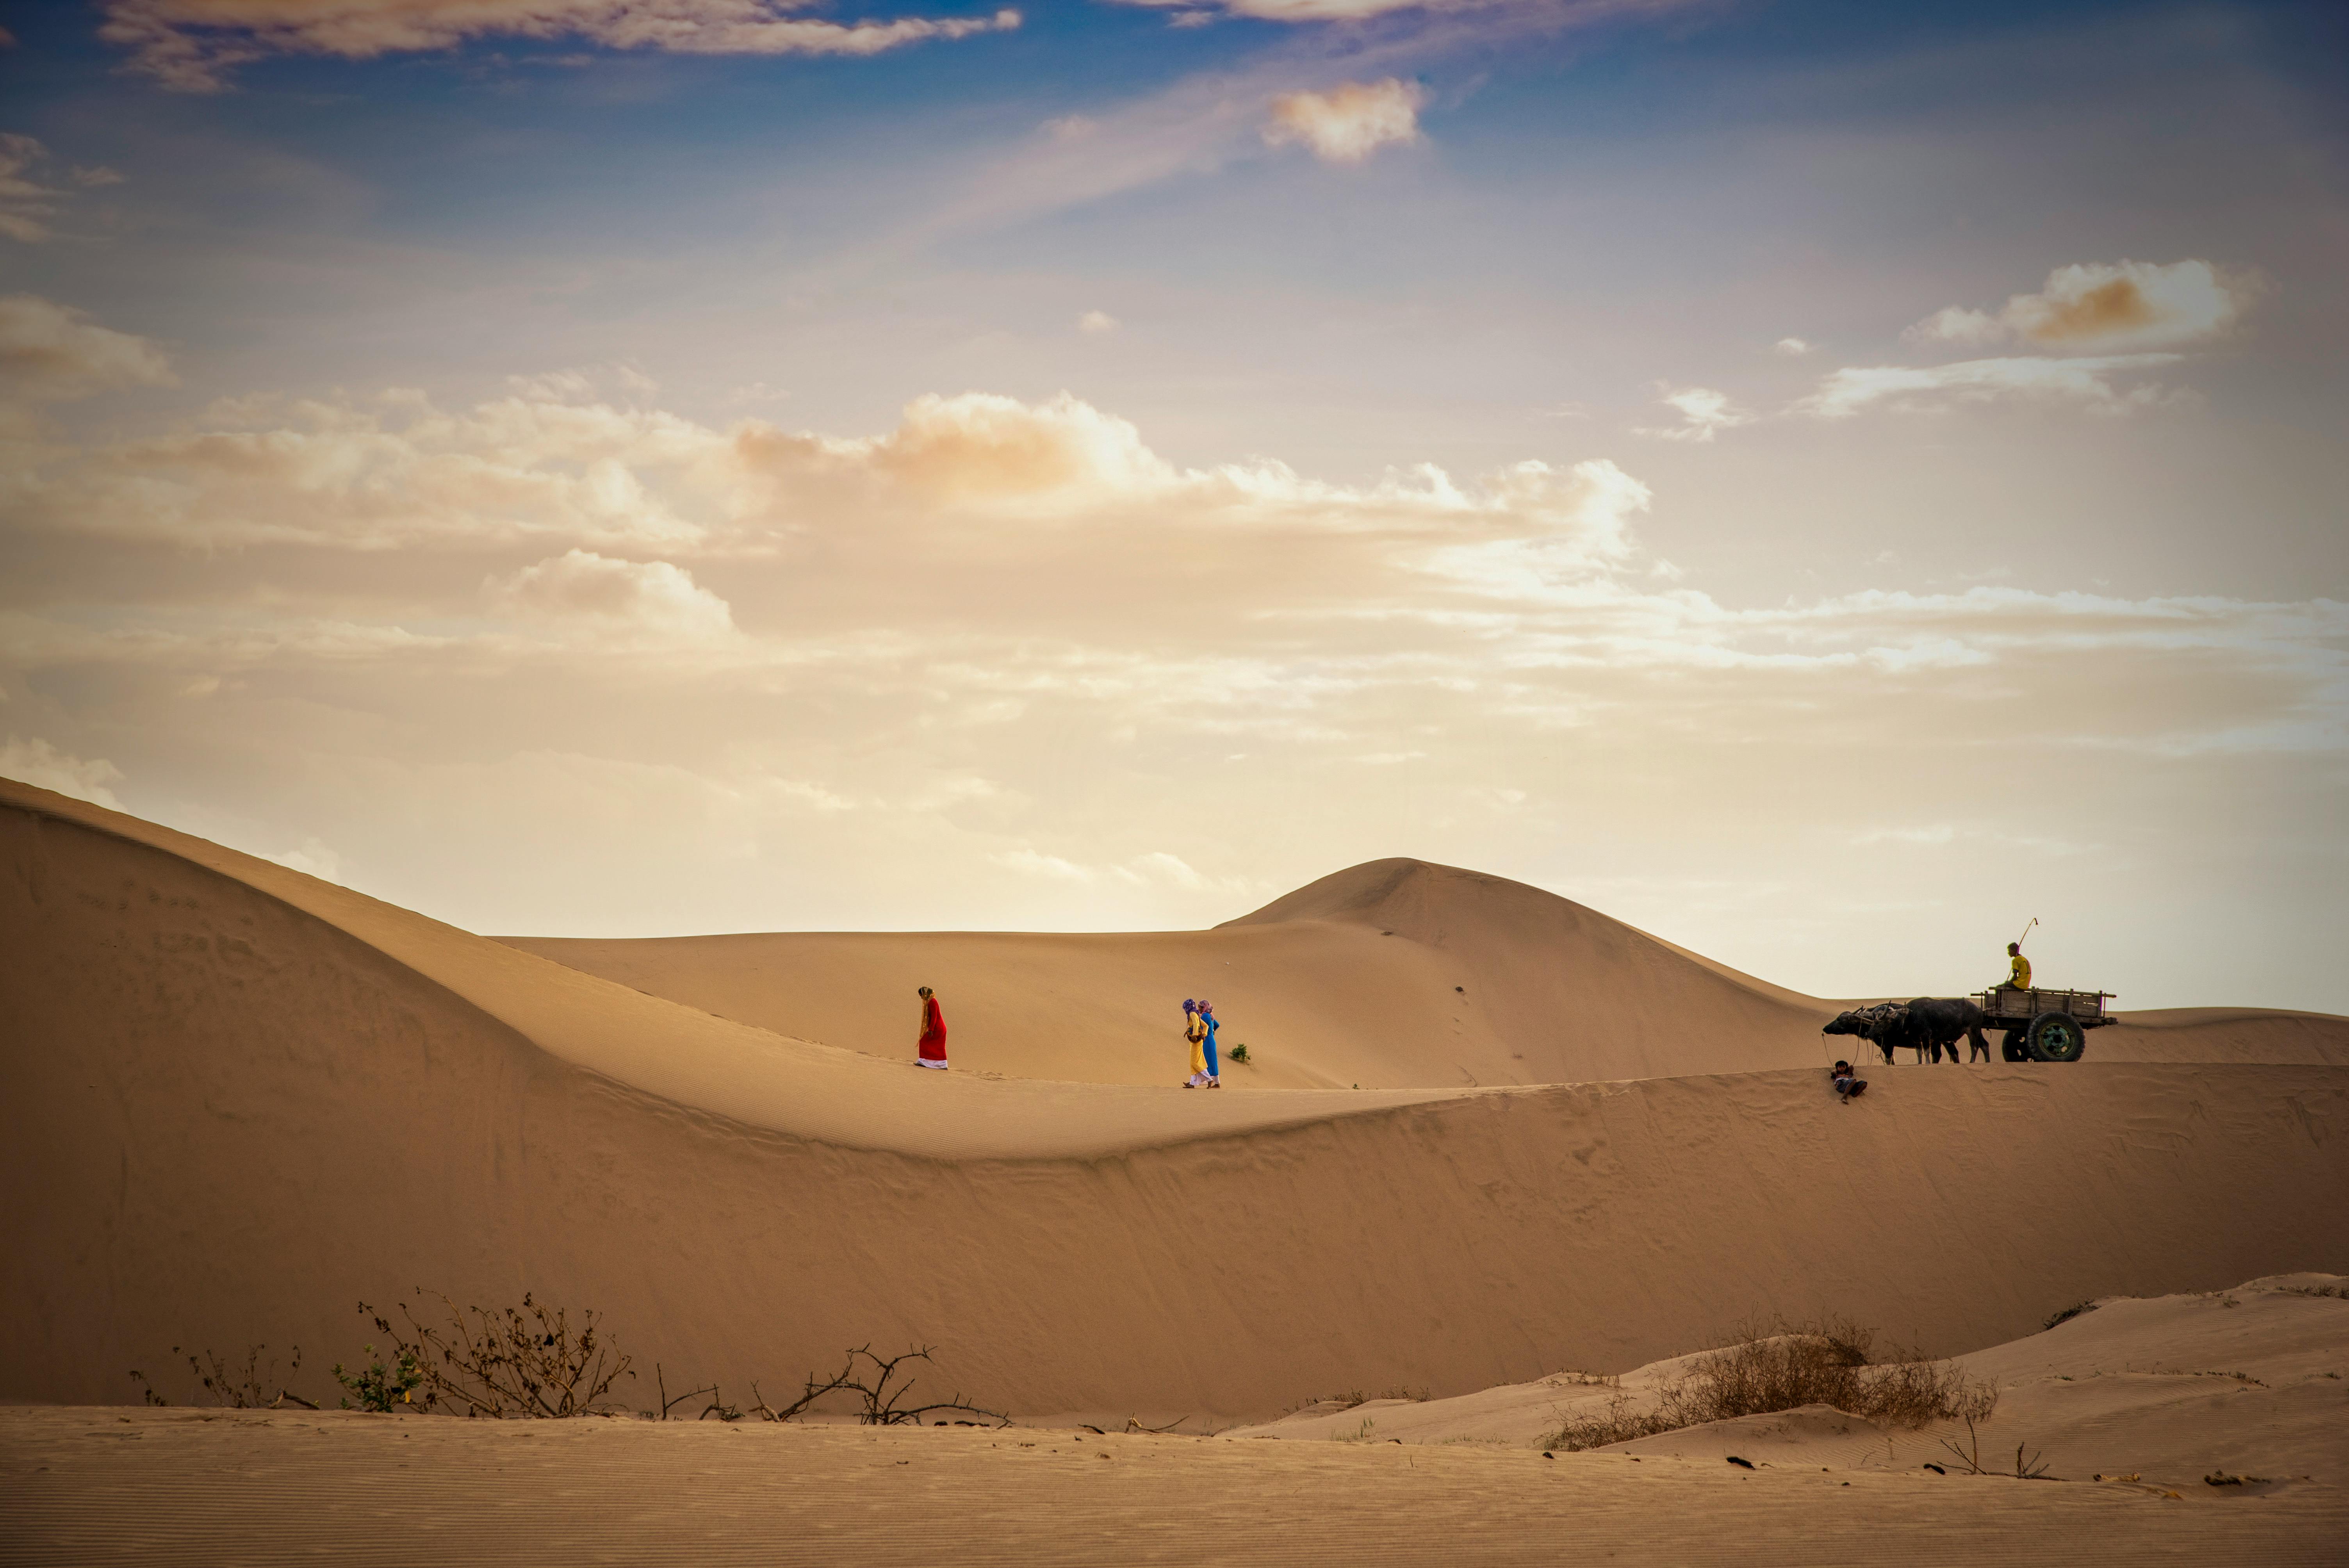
[(1848, 1087)]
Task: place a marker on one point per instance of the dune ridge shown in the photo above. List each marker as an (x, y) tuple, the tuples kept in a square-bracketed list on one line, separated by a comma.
[(238, 1099)]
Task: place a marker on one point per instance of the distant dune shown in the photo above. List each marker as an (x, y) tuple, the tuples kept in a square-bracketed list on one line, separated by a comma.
[(238, 1099), (1393, 975)]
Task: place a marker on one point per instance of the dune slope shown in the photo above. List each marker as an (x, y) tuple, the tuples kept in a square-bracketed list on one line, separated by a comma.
[(2250, 1381), (1393, 975), (237, 1100), (1396, 973)]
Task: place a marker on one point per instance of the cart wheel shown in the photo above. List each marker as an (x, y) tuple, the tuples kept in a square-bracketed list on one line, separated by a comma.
[(2010, 1047), (2057, 1037)]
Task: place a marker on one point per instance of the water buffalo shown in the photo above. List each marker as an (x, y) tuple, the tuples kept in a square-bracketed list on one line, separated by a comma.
[(1884, 1025), (1935, 1023)]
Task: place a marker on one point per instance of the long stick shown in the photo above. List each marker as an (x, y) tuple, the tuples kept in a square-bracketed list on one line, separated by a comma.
[(2026, 932)]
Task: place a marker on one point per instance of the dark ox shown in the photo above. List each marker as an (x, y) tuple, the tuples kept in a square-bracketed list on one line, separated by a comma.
[(1936, 1023), (1884, 1025), (1927, 1026)]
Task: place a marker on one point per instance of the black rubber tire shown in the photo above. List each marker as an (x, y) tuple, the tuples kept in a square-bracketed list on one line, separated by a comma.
[(2056, 1038), (2010, 1047)]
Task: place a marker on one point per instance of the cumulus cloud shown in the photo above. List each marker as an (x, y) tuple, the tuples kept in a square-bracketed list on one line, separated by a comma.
[(2102, 305), (399, 470), (1557, 531), (36, 762), (1348, 123), (51, 353), (25, 205), (1097, 322), (2086, 381), (1702, 411), (1794, 347), (648, 598), (1192, 13), (191, 45), (1007, 628)]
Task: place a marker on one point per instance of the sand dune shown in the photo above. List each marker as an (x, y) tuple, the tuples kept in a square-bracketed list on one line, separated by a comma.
[(1393, 975), (2248, 1381), (239, 1100)]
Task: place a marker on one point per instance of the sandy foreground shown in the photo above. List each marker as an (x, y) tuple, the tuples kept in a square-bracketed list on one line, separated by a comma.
[(103, 1485), (2132, 1407)]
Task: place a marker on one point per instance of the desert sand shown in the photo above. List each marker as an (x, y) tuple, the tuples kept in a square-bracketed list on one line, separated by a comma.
[(239, 1100)]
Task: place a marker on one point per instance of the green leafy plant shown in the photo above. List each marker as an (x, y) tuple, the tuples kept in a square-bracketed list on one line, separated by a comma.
[(1240, 1054), (378, 1388)]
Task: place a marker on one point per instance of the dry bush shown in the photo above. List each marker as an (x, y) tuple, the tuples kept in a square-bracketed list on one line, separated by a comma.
[(1766, 1370), (881, 1385), (521, 1362), (1618, 1423), (234, 1388), (2031, 1469)]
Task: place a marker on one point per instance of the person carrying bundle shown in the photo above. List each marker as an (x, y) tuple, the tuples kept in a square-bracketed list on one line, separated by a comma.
[(930, 1050)]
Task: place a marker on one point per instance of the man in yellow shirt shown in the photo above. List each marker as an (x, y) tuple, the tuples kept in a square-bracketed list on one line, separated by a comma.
[(2018, 967)]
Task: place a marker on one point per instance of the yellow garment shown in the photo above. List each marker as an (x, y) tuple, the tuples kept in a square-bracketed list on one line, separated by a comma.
[(2019, 973), (1196, 1033)]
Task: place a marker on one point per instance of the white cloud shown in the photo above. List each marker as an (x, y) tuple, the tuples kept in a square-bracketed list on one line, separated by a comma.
[(50, 352), (26, 206), (191, 45), (1097, 322), (1028, 862), (1348, 123), (399, 471), (1193, 14), (581, 383), (2102, 305), (1566, 528), (1955, 323), (36, 762), (313, 858), (648, 598), (2085, 381), (1794, 347), (1702, 411)]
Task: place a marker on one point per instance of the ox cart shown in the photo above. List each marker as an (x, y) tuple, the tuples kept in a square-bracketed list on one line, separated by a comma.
[(2044, 1025)]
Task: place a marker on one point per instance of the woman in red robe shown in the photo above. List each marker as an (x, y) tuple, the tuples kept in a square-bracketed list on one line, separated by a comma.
[(933, 1043)]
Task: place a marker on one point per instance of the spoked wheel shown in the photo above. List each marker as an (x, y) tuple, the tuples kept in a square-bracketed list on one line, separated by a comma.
[(2011, 1048), (2057, 1037)]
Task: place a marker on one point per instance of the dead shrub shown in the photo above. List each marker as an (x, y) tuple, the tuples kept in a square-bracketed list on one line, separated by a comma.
[(881, 1385), (234, 1388), (1762, 1371), (514, 1362)]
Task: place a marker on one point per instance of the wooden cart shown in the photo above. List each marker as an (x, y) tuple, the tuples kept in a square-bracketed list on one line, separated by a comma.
[(2045, 1026)]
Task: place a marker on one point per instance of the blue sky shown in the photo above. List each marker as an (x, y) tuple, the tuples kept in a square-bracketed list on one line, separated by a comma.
[(465, 366)]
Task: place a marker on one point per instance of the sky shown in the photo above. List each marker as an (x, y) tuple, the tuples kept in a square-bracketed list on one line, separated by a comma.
[(1827, 483)]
